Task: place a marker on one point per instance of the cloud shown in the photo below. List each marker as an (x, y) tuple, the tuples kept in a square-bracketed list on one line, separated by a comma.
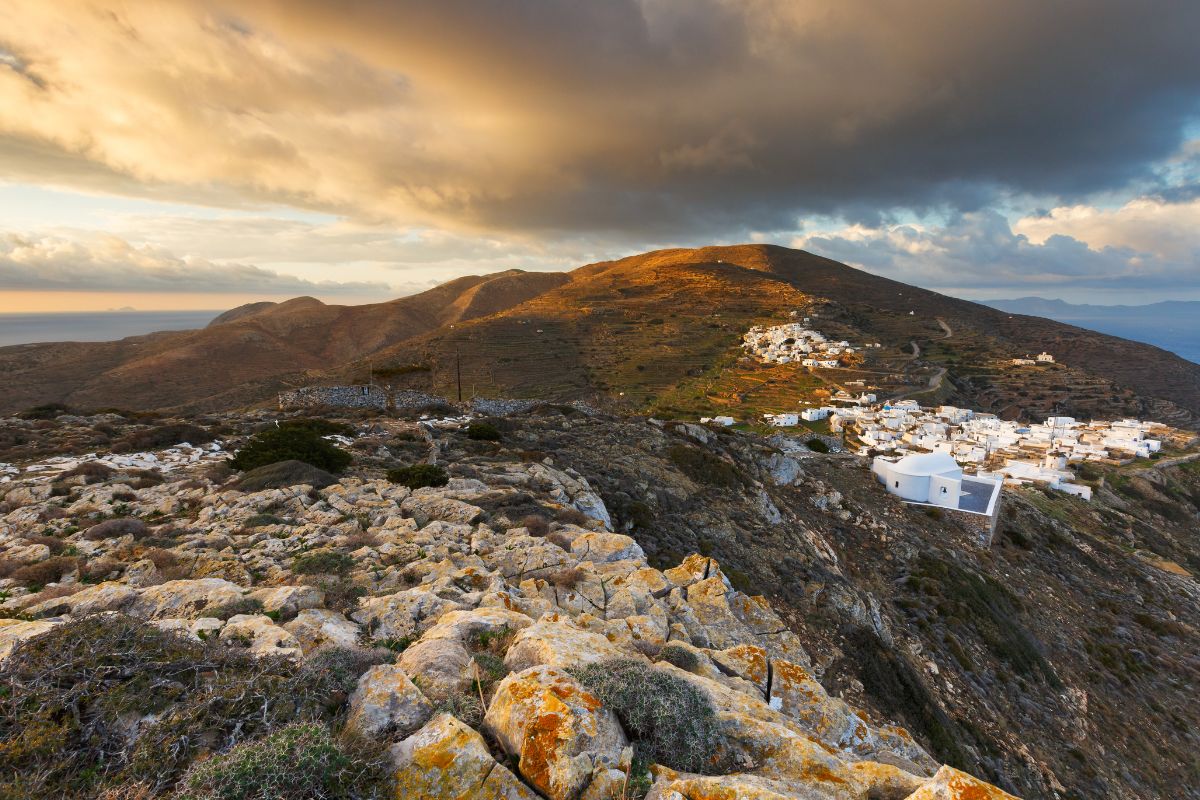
[(981, 251), (644, 119), (109, 263)]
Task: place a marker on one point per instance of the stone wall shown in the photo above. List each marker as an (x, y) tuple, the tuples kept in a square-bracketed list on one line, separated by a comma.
[(362, 396)]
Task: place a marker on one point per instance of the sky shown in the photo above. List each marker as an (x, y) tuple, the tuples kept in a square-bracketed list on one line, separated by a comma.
[(197, 154)]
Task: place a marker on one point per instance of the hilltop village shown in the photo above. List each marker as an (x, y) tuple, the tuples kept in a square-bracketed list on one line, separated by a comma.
[(900, 432)]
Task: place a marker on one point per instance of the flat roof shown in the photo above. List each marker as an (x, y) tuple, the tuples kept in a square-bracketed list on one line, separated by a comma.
[(976, 495)]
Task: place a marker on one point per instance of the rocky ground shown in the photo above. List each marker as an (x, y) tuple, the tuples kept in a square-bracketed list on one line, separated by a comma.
[(594, 607)]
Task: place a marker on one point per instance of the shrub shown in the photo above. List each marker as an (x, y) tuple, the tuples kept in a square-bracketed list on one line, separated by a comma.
[(262, 520), (38, 575), (569, 515), (680, 656), (298, 762), (704, 467), (8, 566), (162, 436), (669, 721), (817, 446), (113, 528), (92, 471), (45, 411), (322, 562), (483, 431), (55, 544), (567, 579), (245, 605), (98, 570), (290, 444), (419, 475), (283, 474), (321, 427), (536, 525)]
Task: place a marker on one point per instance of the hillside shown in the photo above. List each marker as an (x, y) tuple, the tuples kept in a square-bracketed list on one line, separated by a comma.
[(227, 362), (660, 332), (654, 333), (844, 646)]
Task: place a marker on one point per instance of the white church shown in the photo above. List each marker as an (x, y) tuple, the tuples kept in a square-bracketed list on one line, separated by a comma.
[(936, 479)]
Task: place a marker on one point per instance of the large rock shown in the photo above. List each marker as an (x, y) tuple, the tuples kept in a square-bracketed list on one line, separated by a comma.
[(317, 627), (13, 632), (446, 760), (259, 634), (442, 668), (403, 615), (426, 508), (602, 548), (288, 600), (556, 641), (559, 731), (184, 599), (387, 704), (108, 596), (950, 784)]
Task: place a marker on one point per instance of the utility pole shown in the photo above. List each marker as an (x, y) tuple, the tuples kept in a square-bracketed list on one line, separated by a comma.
[(458, 372)]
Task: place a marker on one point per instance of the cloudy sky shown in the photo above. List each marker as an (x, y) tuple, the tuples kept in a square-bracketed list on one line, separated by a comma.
[(202, 153)]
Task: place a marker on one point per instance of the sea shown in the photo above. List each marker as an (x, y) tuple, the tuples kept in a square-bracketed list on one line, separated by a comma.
[(95, 326)]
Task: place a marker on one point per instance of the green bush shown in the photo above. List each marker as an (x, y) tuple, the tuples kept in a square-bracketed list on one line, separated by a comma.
[(669, 721), (290, 443), (225, 611), (45, 411), (299, 762), (483, 431), (419, 475), (680, 656), (817, 446), (321, 427), (322, 562)]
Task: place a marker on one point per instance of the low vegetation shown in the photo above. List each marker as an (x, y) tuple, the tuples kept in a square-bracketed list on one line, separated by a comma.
[(418, 476), (288, 443), (668, 720)]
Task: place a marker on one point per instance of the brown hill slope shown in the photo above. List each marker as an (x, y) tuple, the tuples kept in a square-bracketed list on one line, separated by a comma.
[(244, 349), (660, 332)]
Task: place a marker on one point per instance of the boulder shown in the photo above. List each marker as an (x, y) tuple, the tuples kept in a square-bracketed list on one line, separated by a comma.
[(557, 641), (446, 760), (426, 508), (317, 627), (185, 599), (403, 615), (14, 631), (289, 600), (602, 548), (442, 668), (951, 784), (559, 731), (284, 473), (107, 596), (387, 704), (260, 635)]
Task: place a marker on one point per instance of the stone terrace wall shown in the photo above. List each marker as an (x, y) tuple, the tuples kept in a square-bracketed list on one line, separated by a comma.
[(340, 396)]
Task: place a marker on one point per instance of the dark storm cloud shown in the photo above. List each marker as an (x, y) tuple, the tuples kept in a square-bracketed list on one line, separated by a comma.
[(654, 118)]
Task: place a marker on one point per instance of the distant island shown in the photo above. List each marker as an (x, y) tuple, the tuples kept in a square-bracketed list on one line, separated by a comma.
[(1171, 325)]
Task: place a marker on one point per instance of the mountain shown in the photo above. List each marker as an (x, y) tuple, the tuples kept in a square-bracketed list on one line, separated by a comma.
[(1171, 325), (654, 333), (229, 361), (660, 333)]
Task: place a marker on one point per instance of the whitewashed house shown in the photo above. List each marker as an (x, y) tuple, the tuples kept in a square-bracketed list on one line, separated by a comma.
[(1045, 358), (933, 478)]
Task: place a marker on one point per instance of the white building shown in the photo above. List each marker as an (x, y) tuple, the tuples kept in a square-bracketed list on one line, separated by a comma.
[(1045, 358), (814, 414), (933, 478), (783, 420)]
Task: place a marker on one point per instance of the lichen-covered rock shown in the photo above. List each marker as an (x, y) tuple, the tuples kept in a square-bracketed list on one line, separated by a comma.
[(13, 632), (427, 507), (184, 598), (559, 731), (600, 547), (317, 627), (951, 784), (403, 615), (557, 641), (288, 600), (108, 596), (386, 703), (446, 760), (259, 634), (441, 668)]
